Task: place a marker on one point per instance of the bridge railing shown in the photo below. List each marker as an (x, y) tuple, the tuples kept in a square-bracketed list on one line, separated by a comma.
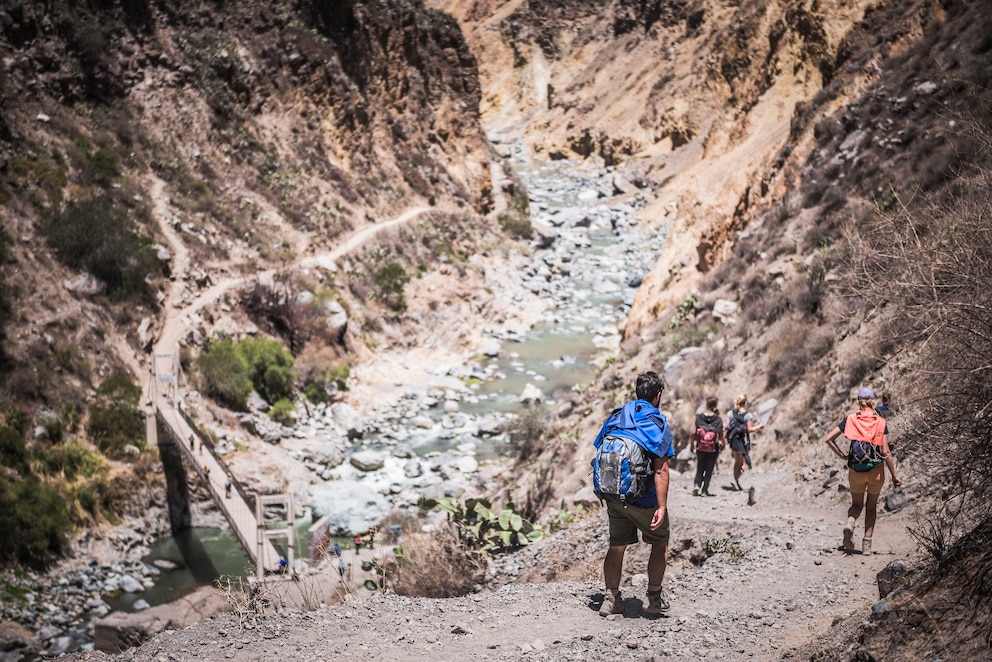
[(208, 444)]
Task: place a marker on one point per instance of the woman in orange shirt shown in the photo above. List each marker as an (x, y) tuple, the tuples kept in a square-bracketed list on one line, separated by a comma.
[(866, 461)]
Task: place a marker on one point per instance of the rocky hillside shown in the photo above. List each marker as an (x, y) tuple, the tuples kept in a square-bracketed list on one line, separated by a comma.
[(772, 137), (762, 132), (151, 150), (765, 136)]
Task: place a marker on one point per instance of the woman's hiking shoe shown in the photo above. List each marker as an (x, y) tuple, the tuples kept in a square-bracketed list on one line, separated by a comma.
[(657, 603), (736, 485), (866, 547), (695, 491), (612, 604), (849, 538)]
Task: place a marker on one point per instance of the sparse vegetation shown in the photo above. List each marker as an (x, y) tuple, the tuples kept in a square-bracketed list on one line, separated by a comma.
[(98, 236), (115, 420), (517, 226), (283, 412), (391, 280)]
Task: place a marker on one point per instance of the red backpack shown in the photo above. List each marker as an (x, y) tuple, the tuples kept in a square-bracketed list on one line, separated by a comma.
[(706, 439)]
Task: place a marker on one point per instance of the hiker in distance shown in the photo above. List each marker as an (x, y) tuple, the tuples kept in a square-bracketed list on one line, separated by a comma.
[(867, 458), (706, 440), (740, 425), (630, 474)]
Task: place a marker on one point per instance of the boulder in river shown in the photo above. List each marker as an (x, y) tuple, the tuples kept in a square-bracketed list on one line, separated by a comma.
[(367, 460), (351, 507)]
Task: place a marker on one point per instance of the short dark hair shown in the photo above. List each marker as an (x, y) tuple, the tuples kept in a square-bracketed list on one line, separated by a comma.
[(648, 386), (712, 403)]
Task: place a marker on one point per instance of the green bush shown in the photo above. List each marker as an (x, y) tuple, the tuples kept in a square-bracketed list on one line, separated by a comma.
[(97, 236), (115, 420), (518, 227), (270, 367), (230, 371), (318, 381), (225, 374), (283, 412), (391, 280), (37, 512), (13, 452)]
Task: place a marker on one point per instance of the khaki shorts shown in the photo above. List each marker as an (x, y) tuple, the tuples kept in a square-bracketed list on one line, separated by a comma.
[(870, 481), (626, 522)]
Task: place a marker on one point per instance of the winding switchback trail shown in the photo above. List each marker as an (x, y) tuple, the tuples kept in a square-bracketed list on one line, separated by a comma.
[(176, 316)]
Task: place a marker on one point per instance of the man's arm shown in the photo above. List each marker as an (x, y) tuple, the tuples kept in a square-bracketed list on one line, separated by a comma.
[(661, 488)]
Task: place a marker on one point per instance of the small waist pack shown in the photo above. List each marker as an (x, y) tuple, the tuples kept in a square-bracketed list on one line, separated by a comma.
[(864, 456)]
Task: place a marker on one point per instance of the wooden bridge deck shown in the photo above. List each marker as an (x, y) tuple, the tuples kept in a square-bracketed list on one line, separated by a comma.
[(238, 512)]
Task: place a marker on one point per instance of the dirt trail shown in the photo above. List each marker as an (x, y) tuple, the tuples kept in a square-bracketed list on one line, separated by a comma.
[(788, 584)]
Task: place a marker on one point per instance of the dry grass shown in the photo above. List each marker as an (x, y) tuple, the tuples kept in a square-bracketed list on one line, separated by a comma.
[(437, 565), (793, 349)]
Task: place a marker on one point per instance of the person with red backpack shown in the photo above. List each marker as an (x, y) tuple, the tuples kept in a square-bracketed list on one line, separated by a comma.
[(866, 460), (706, 441)]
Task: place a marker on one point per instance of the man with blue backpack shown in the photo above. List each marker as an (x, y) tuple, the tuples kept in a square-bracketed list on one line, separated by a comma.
[(630, 475)]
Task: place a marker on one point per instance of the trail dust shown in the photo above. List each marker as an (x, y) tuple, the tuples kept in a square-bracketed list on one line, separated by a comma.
[(773, 579)]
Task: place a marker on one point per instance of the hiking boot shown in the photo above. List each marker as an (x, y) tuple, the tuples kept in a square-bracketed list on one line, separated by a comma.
[(736, 485), (849, 538), (657, 603), (866, 547), (612, 604), (695, 490), (707, 493)]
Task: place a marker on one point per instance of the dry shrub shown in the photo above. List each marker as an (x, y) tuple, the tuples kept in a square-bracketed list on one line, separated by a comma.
[(437, 565), (931, 264), (793, 351)]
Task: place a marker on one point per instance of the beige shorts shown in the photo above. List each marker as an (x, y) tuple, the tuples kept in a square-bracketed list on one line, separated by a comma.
[(626, 522), (870, 481)]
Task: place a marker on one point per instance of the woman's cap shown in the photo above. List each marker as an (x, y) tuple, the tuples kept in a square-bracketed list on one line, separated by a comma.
[(866, 394)]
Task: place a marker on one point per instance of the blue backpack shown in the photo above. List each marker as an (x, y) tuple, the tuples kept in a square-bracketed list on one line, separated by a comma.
[(620, 470)]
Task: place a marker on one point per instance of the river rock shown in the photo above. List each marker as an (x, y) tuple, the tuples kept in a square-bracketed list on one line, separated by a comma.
[(423, 422), (348, 419), (490, 347), (413, 469), (131, 585), (491, 425), (368, 460), (531, 394), (350, 506)]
